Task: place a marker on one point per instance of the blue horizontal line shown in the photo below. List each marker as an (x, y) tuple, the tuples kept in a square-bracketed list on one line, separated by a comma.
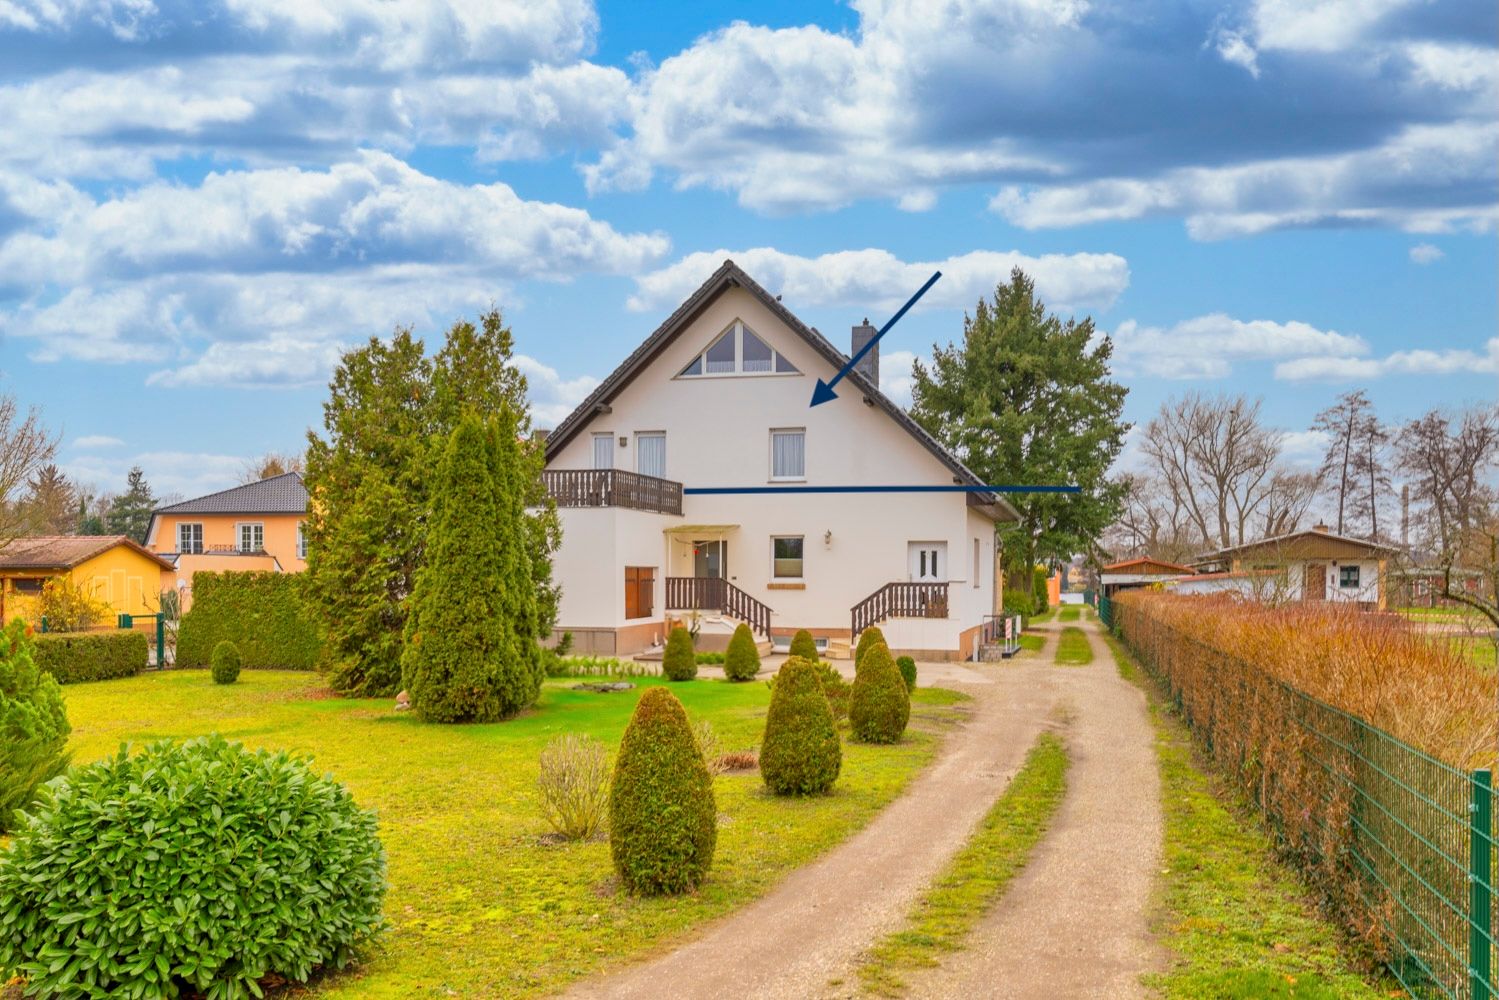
[(720, 490)]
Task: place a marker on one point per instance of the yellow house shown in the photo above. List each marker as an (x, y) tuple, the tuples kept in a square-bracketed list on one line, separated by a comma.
[(111, 568)]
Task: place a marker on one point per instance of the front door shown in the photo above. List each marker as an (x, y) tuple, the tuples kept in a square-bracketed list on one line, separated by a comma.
[(1315, 588), (709, 558), (928, 561)]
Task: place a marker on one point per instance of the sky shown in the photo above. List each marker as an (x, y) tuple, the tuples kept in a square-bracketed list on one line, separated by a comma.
[(203, 201)]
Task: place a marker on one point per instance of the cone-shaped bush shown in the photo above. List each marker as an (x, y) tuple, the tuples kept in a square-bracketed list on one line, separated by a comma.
[(867, 638), (881, 705), (907, 667), (471, 651), (800, 754), (663, 820), (225, 662), (742, 662), (33, 725), (803, 645), (680, 661)]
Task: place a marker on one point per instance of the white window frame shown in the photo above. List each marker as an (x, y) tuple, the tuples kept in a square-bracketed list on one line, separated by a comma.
[(607, 436), (190, 550), (639, 435), (239, 536), (302, 540), (775, 574), (1358, 576), (788, 479), (977, 547), (735, 331)]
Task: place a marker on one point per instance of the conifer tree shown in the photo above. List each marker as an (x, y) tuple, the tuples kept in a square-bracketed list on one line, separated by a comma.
[(130, 512)]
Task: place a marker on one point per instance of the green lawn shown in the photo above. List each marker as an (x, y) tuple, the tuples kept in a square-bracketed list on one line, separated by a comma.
[(1069, 613), (1032, 641), (1237, 920), (1042, 618), (480, 903), (1073, 649)]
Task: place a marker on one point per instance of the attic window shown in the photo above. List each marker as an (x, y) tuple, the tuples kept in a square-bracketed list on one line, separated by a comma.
[(739, 351)]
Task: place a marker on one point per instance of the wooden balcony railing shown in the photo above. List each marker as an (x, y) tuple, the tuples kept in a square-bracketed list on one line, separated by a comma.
[(613, 488), (900, 600), (714, 593)]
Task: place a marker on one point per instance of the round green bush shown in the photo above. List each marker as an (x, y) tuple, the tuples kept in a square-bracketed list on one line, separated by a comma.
[(803, 645), (867, 638), (226, 662), (880, 706), (800, 753), (33, 725), (663, 819), (743, 660), (907, 667), (679, 663), (195, 867)]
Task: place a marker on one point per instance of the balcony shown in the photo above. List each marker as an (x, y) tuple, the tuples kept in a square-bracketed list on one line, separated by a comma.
[(613, 488)]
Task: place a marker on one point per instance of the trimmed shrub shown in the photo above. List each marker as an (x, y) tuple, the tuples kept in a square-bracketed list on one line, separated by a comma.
[(663, 819), (33, 726), (226, 663), (75, 657), (259, 611), (880, 706), (1018, 602), (189, 867), (907, 667), (1040, 593), (742, 662), (867, 638), (679, 663), (803, 645), (800, 754), (574, 785)]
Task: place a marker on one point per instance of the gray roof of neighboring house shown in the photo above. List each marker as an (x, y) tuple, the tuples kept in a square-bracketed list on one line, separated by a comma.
[(65, 551), (283, 494), (727, 275)]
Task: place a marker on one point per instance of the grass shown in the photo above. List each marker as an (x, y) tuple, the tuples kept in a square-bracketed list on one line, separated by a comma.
[(1479, 650), (1237, 921), (974, 880), (1043, 617), (481, 903), (1069, 613), (1032, 641), (1073, 649)]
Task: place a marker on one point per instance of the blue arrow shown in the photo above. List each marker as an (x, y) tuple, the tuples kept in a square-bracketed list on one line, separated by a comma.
[(823, 391)]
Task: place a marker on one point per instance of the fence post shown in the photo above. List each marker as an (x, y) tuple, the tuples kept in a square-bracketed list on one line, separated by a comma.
[(1480, 878), (161, 641)]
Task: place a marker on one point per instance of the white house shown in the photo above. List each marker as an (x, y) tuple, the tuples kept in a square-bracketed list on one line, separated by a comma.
[(1314, 565), (719, 397)]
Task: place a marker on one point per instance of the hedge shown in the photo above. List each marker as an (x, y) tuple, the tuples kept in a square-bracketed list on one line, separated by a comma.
[(73, 657), (261, 612)]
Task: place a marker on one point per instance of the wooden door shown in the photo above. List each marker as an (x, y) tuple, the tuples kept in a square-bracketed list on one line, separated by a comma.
[(1315, 586)]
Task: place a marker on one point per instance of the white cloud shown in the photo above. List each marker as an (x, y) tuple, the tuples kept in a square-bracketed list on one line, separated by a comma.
[(877, 278), (180, 473), (88, 441), (281, 362), (1304, 448), (1426, 253), (1234, 48), (1207, 347), (551, 396), (1452, 361), (1318, 25), (896, 380)]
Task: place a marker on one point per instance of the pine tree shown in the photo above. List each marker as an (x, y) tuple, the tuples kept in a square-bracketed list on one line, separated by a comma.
[(130, 512), (51, 502), (471, 651)]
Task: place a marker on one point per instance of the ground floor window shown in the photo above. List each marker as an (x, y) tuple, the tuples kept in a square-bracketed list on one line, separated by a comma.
[(640, 588), (1347, 576), (28, 584), (786, 557)]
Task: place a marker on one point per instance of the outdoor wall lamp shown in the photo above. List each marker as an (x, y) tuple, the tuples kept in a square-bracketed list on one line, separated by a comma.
[(827, 537)]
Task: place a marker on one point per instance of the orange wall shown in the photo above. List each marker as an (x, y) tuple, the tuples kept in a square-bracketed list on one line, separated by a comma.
[(220, 531), (121, 577)]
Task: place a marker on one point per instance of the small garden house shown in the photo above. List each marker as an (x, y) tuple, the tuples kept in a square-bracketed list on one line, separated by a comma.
[(113, 569)]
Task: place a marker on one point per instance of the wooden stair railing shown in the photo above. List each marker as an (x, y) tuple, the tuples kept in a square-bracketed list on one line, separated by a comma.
[(714, 593), (900, 600)]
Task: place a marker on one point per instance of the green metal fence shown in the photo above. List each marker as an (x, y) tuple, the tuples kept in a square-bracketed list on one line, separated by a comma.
[(1403, 844)]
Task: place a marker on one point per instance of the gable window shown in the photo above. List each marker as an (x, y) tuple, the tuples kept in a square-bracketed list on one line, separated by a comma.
[(788, 454), (786, 557), (190, 538), (251, 537), (1348, 576), (603, 451), (301, 540), (650, 453), (739, 351)]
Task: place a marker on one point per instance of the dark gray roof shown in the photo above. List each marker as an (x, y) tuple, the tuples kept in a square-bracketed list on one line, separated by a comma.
[(283, 494), (728, 275)]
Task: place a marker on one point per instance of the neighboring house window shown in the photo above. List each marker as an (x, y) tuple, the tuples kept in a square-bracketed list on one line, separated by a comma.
[(650, 454), (975, 564), (252, 538), (190, 538), (786, 557), (788, 454), (640, 586), (1347, 576), (301, 540), (603, 451), (739, 351), (28, 585)]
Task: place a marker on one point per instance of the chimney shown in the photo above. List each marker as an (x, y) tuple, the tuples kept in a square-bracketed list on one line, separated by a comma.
[(869, 364), (1319, 526)]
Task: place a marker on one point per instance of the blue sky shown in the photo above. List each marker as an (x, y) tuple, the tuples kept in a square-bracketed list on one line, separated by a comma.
[(201, 203)]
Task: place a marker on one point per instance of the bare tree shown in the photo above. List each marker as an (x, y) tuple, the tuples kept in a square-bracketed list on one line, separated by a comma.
[(272, 463), (1371, 472), (1153, 523), (26, 445), (1344, 423), (1289, 498)]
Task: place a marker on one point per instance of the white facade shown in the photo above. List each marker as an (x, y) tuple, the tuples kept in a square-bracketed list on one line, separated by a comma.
[(1354, 581), (809, 557)]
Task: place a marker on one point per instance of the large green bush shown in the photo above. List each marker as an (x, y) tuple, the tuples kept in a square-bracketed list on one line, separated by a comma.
[(226, 663), (196, 867), (1018, 602), (800, 753), (1040, 593), (663, 819), (33, 726), (74, 657), (679, 663), (907, 667), (803, 645), (881, 705), (261, 612), (867, 638), (743, 660)]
